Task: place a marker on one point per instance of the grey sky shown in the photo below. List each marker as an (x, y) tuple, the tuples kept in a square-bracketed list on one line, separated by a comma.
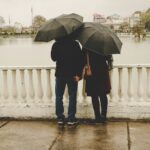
[(20, 10)]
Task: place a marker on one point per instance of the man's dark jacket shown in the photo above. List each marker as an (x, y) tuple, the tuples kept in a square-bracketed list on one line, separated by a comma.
[(69, 58)]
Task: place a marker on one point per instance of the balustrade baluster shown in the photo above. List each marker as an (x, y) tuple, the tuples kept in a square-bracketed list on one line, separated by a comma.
[(23, 86), (49, 88), (5, 85), (31, 86), (84, 96), (0, 86), (120, 82), (66, 95), (148, 82), (112, 85), (39, 86), (14, 85), (130, 84), (139, 84)]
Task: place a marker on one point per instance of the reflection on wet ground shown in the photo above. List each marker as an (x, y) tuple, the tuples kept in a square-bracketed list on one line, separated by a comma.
[(46, 135)]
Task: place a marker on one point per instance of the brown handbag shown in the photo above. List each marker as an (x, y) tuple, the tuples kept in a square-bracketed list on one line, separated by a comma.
[(87, 68)]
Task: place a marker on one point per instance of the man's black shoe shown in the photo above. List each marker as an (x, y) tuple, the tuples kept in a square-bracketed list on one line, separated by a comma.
[(100, 120), (61, 121), (103, 119), (72, 122)]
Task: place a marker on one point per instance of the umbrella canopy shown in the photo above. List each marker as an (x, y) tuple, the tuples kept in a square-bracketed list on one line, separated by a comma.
[(59, 27), (99, 39)]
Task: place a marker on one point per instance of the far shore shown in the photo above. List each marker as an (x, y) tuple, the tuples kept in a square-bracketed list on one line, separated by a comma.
[(33, 35), (17, 35)]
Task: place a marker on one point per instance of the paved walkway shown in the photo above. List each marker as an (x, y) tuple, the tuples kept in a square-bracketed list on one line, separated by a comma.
[(46, 135)]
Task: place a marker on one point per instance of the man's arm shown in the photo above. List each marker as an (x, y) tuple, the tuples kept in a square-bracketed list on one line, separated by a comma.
[(79, 61), (54, 52)]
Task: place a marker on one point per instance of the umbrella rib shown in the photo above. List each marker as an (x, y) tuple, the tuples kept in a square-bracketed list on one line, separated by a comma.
[(64, 26), (58, 27), (107, 30), (91, 48), (89, 37), (61, 24), (100, 39)]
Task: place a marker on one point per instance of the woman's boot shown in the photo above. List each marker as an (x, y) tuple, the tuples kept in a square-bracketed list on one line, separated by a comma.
[(104, 104), (96, 107)]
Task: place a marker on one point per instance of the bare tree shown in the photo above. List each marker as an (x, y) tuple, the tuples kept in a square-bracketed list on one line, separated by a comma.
[(146, 19), (38, 21), (2, 21)]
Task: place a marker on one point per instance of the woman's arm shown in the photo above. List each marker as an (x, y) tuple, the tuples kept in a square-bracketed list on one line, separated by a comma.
[(109, 59)]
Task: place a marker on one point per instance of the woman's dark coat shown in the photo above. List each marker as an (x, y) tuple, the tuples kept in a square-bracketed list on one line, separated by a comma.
[(99, 82)]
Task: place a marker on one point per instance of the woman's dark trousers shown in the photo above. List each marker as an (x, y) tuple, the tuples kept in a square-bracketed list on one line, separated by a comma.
[(96, 102)]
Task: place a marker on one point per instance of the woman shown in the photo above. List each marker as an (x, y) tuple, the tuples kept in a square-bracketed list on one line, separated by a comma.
[(98, 83)]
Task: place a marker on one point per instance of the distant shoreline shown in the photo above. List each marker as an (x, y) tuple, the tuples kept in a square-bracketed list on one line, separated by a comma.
[(18, 35), (33, 35)]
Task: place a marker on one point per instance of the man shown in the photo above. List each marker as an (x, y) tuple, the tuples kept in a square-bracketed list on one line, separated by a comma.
[(69, 63)]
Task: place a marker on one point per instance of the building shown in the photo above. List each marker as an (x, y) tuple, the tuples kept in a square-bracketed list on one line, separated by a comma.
[(2, 22), (18, 28), (135, 19), (114, 21), (99, 18)]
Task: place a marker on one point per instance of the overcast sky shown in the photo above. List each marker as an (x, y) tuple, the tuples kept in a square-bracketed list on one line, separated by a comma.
[(20, 10)]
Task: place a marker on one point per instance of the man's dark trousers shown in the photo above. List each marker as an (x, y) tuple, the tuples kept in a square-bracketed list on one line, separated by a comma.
[(61, 82)]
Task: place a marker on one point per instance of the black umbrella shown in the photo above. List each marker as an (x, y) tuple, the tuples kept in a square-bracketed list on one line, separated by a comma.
[(99, 39), (59, 27)]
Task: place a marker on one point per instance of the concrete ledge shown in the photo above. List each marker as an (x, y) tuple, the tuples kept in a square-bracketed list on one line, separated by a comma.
[(115, 110)]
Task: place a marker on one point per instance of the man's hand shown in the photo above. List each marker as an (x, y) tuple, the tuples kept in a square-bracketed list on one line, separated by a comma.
[(76, 78)]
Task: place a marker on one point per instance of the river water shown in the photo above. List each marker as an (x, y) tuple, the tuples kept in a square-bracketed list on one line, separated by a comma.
[(23, 51)]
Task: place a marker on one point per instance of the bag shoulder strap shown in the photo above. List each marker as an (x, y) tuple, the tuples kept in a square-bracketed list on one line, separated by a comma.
[(87, 57)]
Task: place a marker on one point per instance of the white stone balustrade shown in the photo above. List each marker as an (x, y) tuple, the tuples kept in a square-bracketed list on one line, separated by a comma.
[(29, 92)]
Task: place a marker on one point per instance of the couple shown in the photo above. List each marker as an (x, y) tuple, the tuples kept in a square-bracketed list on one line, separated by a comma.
[(70, 60)]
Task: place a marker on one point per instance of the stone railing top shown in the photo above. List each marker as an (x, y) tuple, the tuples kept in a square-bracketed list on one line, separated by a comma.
[(53, 67), (131, 65), (25, 67)]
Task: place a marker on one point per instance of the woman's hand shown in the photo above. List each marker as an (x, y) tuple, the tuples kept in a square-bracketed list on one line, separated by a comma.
[(77, 78), (110, 65)]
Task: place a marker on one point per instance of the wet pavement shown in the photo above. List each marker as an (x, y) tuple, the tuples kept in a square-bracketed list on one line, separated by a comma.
[(46, 135)]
